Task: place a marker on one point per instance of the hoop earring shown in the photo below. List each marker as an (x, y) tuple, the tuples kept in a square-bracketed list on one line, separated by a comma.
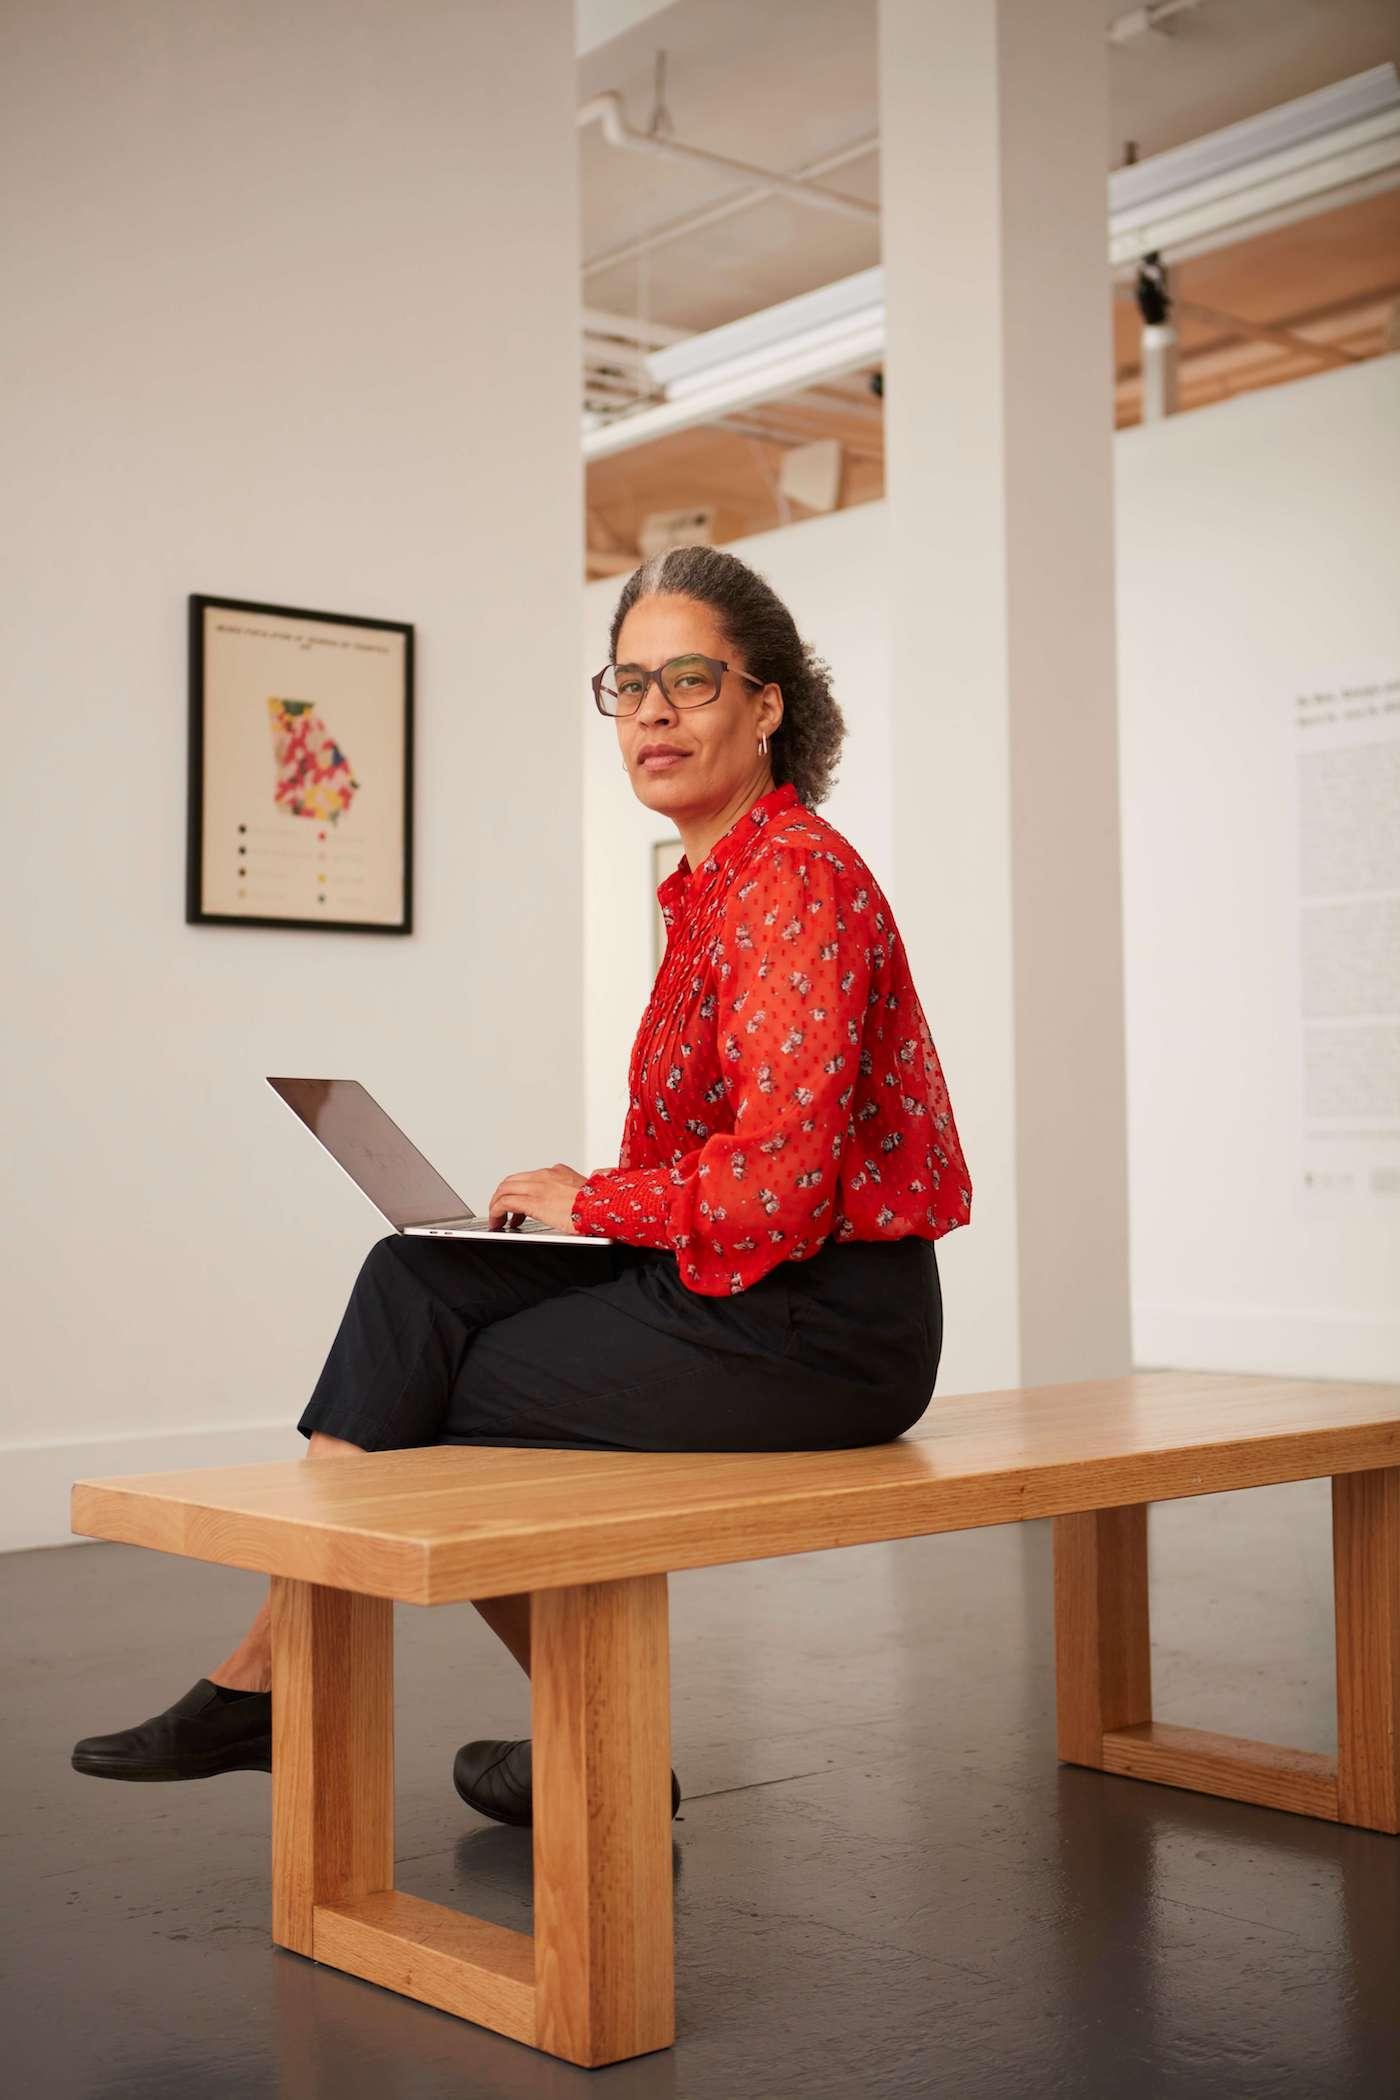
[(763, 742)]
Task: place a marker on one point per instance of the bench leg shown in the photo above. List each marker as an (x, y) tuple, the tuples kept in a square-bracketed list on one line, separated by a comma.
[(600, 1700), (1103, 1670), (1366, 1575), (332, 1752), (1103, 1654), (595, 1981)]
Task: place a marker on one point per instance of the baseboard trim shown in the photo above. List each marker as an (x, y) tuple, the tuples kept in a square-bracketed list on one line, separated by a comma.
[(35, 1479)]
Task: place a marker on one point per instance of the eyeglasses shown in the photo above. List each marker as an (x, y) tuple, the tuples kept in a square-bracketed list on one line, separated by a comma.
[(686, 681)]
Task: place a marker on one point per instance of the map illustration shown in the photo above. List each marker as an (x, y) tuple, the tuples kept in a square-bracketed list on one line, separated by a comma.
[(313, 774)]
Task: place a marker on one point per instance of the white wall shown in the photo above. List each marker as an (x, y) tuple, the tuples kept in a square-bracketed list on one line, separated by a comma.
[(1256, 545), (1259, 546), (291, 315)]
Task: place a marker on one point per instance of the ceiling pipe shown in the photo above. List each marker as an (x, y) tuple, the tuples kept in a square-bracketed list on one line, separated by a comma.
[(1147, 21), (726, 208), (1124, 28), (606, 109)]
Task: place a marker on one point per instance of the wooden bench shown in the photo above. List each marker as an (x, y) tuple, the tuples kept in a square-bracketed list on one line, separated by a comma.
[(592, 1536)]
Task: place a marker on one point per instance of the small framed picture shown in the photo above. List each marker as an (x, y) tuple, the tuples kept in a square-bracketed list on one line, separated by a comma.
[(666, 857), (300, 769)]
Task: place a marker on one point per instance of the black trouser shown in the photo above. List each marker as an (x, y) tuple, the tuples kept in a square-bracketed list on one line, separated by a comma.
[(469, 1342)]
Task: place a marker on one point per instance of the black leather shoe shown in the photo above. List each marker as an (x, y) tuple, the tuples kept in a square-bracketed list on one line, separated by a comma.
[(494, 1778), (195, 1738)]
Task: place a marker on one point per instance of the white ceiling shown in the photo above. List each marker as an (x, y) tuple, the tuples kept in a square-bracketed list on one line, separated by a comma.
[(780, 83)]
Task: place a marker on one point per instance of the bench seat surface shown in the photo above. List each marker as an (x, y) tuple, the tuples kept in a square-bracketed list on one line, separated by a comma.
[(437, 1524)]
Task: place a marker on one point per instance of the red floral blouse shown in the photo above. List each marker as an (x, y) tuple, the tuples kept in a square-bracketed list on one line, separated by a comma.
[(783, 1086)]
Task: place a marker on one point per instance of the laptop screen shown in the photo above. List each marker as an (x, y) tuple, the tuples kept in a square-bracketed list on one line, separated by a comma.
[(373, 1150)]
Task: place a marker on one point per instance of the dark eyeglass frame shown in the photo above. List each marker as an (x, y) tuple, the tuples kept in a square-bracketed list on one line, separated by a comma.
[(715, 664)]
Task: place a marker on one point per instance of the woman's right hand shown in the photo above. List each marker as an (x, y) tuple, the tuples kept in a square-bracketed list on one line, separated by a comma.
[(547, 1193)]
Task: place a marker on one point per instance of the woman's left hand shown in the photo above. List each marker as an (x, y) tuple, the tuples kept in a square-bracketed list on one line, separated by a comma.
[(546, 1194)]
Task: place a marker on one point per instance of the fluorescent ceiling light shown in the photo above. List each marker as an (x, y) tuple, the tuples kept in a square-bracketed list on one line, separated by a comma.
[(824, 353), (1223, 152), (830, 315), (1204, 193), (1270, 167)]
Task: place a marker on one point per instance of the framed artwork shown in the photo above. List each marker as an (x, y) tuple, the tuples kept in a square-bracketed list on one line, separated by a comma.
[(300, 769), (666, 857)]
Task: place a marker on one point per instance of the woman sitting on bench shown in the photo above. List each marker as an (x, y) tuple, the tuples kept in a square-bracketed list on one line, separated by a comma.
[(788, 1159)]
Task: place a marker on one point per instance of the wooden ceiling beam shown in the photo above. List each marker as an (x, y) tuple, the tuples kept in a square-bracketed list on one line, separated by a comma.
[(1266, 332)]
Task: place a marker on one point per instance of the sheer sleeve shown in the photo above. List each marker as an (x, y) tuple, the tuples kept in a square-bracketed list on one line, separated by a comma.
[(793, 972)]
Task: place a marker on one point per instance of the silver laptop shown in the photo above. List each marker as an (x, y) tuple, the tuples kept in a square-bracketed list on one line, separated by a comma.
[(379, 1159)]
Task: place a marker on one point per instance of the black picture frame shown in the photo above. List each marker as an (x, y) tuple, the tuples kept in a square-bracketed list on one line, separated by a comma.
[(391, 870)]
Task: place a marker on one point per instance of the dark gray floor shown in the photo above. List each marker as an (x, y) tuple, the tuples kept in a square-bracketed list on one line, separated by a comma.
[(884, 1882)]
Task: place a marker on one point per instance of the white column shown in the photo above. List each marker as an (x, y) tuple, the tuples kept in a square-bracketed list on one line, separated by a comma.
[(1007, 872)]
